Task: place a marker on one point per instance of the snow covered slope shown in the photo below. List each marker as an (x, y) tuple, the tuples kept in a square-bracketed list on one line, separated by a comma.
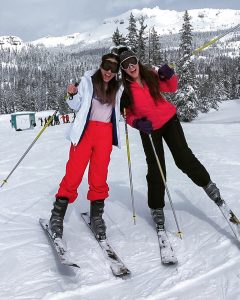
[(209, 257), (165, 22)]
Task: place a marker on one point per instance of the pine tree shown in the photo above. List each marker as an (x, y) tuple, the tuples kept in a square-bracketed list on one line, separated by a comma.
[(186, 98), (154, 48), (141, 40), (234, 76), (132, 36), (209, 98), (118, 39), (237, 76)]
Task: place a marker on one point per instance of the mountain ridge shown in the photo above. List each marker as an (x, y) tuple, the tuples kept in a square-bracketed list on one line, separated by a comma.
[(165, 22)]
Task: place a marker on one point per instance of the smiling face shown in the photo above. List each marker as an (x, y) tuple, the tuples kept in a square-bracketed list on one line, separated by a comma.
[(131, 67), (133, 71), (109, 69)]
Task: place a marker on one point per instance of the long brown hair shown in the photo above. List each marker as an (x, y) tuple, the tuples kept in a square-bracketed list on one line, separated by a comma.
[(106, 96), (149, 76)]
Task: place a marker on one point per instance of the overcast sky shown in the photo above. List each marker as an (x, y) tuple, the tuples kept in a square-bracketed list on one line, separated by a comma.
[(32, 19)]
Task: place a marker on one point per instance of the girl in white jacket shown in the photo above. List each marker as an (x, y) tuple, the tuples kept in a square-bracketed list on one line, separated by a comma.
[(95, 129)]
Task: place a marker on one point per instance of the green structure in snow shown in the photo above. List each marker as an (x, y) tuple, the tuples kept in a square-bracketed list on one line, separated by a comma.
[(23, 120)]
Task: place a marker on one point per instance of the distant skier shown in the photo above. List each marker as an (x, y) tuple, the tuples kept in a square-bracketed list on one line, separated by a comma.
[(150, 113), (50, 118), (63, 117), (67, 118), (94, 131), (56, 120), (41, 121)]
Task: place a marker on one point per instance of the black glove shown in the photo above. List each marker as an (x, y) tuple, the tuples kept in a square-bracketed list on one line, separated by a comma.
[(165, 72), (143, 125)]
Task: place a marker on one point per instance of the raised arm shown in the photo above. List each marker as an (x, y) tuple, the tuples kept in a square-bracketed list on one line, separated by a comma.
[(168, 81)]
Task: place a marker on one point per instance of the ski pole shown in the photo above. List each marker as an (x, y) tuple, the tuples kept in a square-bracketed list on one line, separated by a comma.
[(166, 187), (28, 149), (129, 166), (211, 42)]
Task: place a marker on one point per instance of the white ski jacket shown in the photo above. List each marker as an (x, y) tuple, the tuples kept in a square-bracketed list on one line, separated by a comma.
[(81, 103)]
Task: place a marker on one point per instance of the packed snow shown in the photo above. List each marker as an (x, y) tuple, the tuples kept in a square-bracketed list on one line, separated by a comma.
[(208, 254)]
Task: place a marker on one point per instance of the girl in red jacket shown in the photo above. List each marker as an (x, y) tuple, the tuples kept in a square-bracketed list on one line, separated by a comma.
[(150, 113)]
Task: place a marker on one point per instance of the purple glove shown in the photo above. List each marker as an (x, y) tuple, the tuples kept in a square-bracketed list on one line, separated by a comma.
[(143, 125), (165, 72)]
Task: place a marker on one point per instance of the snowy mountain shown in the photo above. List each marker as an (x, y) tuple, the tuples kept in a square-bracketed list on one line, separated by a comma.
[(208, 254), (12, 42), (166, 22)]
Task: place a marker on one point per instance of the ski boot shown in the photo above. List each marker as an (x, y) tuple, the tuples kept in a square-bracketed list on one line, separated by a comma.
[(213, 193), (58, 213), (158, 217), (96, 221)]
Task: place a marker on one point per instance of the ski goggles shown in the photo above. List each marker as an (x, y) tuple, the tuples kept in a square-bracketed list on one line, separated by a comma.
[(107, 65), (128, 62)]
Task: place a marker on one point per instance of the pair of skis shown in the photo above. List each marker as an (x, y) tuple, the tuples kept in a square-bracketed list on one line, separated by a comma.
[(116, 264)]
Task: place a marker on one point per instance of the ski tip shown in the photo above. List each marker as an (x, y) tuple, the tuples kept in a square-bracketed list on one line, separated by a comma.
[(170, 263), (71, 265), (84, 214), (125, 274), (43, 222)]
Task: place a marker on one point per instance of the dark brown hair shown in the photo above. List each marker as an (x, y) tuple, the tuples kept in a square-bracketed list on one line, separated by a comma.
[(149, 76), (105, 95)]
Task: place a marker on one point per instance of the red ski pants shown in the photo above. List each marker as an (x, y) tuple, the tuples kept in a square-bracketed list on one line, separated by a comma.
[(94, 148)]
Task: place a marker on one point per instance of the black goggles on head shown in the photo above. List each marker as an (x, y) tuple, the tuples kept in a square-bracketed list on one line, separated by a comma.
[(130, 61), (110, 65)]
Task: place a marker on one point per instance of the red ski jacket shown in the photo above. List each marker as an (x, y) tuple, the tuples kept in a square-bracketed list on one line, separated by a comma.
[(160, 112)]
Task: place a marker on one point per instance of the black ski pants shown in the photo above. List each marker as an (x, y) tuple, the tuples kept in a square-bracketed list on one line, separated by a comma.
[(185, 160)]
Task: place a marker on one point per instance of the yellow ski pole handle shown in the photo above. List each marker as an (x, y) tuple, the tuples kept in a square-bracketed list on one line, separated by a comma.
[(213, 41), (206, 45)]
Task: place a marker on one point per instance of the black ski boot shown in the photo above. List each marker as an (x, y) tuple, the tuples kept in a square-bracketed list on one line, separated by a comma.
[(213, 193), (58, 213), (97, 223), (158, 217)]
